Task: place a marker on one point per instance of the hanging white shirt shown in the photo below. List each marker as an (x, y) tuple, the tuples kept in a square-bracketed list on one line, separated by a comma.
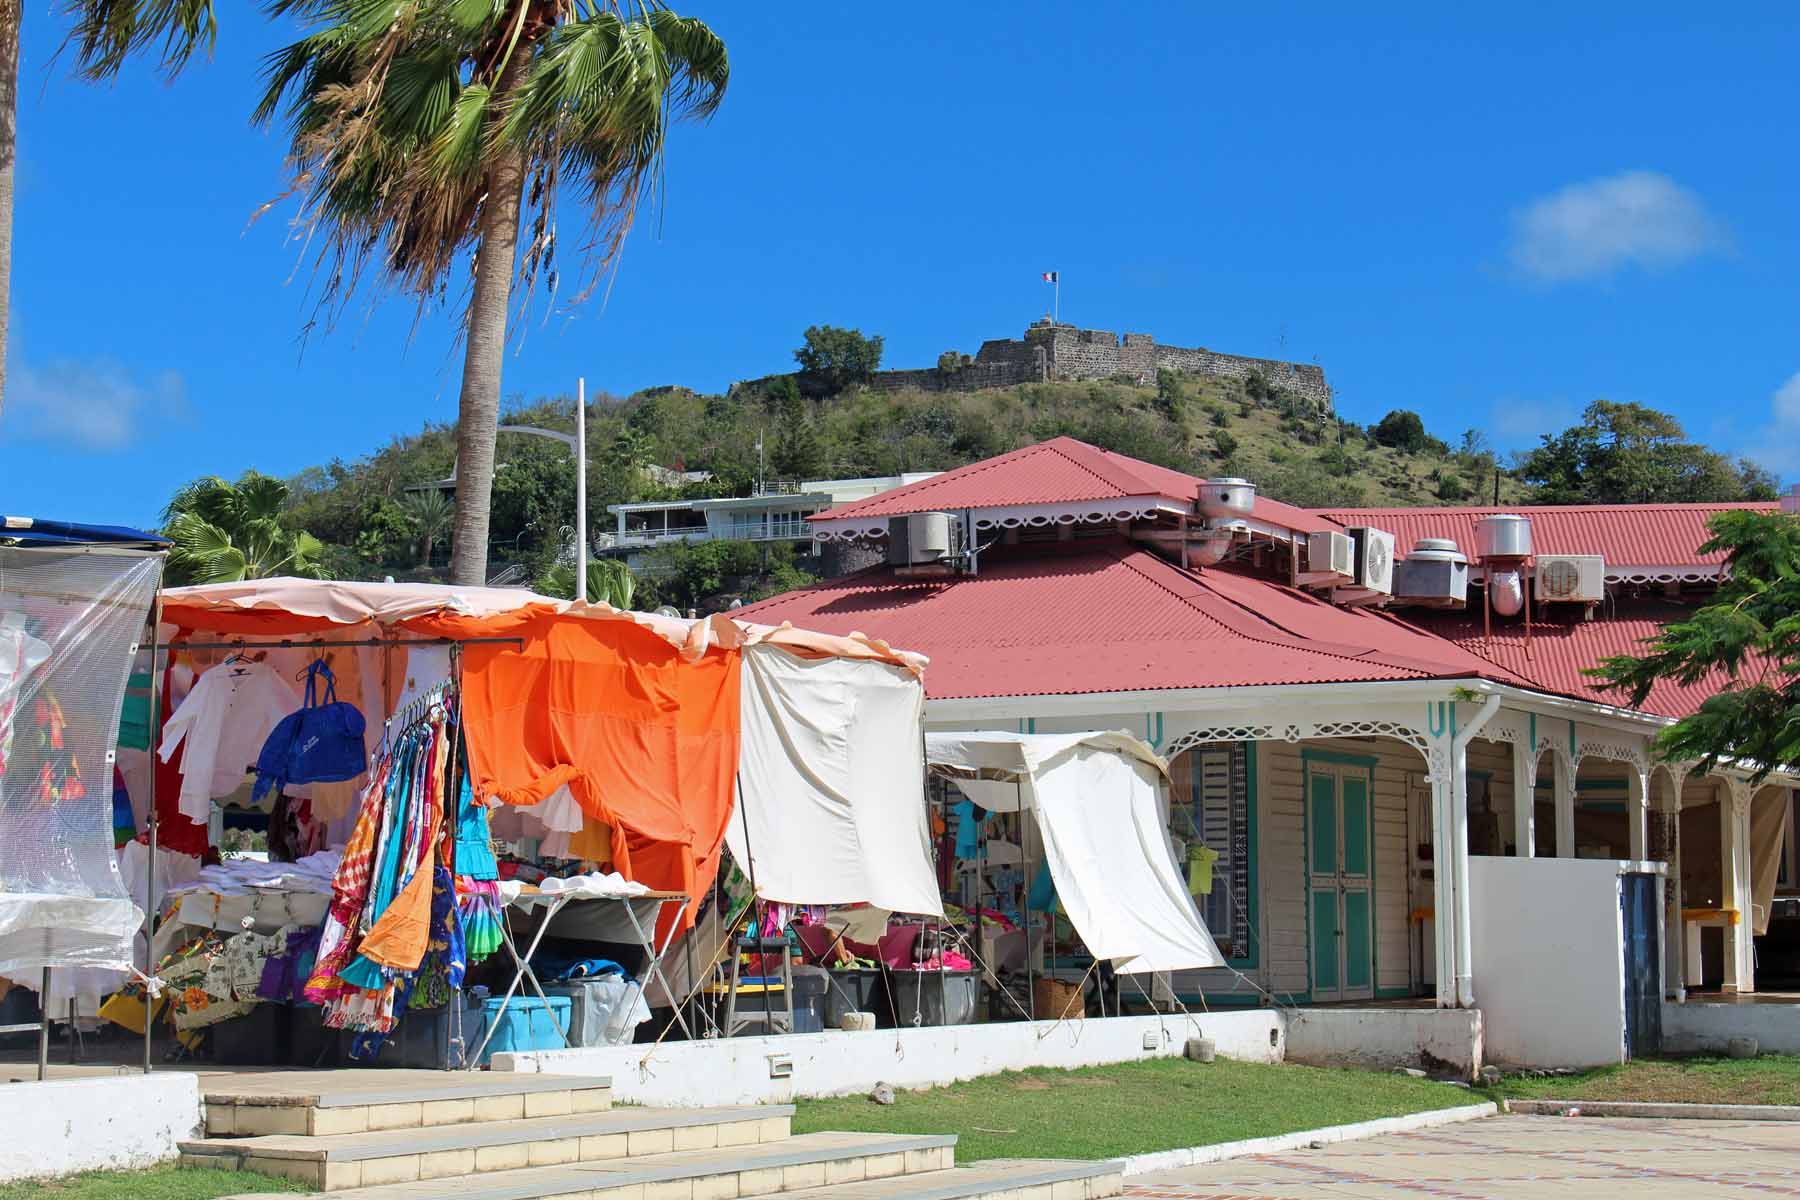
[(225, 720)]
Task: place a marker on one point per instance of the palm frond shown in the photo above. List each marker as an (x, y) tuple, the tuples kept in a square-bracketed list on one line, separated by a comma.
[(105, 33)]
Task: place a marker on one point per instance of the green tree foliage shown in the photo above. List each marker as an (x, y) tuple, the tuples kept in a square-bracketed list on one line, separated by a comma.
[(609, 581), (798, 453), (224, 532), (688, 574), (429, 511), (1749, 633), (1171, 393), (1402, 429), (439, 135), (1630, 454), (832, 360)]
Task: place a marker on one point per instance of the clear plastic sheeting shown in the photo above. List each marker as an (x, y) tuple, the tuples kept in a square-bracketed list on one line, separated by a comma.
[(69, 619)]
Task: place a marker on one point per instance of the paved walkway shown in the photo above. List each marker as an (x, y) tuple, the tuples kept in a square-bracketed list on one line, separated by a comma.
[(1518, 1158)]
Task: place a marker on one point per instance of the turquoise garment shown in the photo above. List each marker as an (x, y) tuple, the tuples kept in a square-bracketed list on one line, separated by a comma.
[(360, 972), (1042, 897), (968, 830), (474, 856)]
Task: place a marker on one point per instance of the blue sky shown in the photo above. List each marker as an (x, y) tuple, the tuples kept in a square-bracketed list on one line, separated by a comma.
[(1489, 225)]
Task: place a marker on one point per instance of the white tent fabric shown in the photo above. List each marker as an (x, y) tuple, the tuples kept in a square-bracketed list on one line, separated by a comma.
[(831, 797), (1097, 802), (1771, 811)]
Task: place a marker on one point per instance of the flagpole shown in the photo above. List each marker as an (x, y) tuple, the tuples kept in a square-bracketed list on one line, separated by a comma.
[(1056, 301)]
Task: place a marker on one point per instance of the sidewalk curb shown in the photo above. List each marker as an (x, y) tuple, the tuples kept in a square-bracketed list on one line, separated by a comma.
[(1634, 1108), (1194, 1156)]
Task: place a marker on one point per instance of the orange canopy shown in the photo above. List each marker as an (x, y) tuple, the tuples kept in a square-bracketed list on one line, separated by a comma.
[(637, 714)]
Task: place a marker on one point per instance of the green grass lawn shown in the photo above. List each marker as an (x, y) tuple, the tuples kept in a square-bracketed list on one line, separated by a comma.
[(1132, 1108), (1770, 1079), (157, 1183)]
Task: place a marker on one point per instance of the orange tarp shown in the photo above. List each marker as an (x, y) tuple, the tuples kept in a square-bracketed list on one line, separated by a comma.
[(646, 741)]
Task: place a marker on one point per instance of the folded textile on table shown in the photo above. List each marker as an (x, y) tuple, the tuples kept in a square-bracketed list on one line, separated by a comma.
[(610, 886), (248, 876)]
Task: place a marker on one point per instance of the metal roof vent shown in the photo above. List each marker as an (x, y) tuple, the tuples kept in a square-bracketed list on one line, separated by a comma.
[(1436, 550), (1226, 497), (1503, 535)]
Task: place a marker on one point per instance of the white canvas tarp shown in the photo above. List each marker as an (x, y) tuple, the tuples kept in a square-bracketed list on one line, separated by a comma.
[(831, 791), (1771, 811), (1098, 804)]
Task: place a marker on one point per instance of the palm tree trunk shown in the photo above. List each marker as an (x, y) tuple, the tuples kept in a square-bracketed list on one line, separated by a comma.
[(478, 413), (10, 13)]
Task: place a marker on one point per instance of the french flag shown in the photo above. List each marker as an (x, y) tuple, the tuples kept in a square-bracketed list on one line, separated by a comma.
[(1051, 277)]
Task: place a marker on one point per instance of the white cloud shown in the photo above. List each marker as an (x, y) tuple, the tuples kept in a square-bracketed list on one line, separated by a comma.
[(1777, 444), (93, 405), (1634, 218)]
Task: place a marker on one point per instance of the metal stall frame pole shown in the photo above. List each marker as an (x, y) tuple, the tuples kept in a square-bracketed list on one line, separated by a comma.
[(156, 736), (1025, 878), (43, 1063)]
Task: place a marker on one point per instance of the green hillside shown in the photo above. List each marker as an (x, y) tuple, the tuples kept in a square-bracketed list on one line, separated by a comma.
[(360, 509)]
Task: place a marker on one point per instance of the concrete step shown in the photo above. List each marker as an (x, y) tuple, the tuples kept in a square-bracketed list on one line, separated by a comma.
[(300, 1103), (350, 1160), (819, 1164), (995, 1179)]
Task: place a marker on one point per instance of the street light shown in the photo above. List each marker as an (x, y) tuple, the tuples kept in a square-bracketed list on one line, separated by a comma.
[(578, 443)]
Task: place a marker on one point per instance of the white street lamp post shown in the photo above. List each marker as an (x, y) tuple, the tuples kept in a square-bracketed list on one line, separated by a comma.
[(578, 443)]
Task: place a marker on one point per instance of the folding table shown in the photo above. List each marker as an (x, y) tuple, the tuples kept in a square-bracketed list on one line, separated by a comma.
[(609, 918)]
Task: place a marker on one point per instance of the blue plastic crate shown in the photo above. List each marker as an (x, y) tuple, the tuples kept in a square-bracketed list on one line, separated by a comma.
[(526, 1025)]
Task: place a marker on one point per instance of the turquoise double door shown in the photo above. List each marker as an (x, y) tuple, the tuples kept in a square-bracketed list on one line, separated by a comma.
[(1340, 882)]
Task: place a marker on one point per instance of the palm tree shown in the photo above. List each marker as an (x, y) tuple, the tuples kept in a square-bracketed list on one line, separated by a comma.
[(422, 131), (431, 511), (609, 582), (103, 35), (225, 532)]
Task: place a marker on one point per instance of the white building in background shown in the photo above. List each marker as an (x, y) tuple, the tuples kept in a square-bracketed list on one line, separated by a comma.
[(776, 513)]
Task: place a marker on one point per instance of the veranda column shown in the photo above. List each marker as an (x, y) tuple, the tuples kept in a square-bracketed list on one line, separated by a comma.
[(1524, 768), (1443, 887), (1665, 846), (1637, 811), (1734, 851), (1565, 804)]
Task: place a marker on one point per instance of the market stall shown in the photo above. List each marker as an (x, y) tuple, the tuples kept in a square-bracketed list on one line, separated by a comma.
[(73, 604), (593, 747), (1097, 806)]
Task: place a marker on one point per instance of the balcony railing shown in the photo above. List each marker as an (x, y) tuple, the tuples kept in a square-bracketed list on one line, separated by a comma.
[(791, 530)]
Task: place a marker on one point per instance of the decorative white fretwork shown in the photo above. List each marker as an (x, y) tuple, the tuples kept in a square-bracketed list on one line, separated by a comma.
[(1632, 756), (1021, 516)]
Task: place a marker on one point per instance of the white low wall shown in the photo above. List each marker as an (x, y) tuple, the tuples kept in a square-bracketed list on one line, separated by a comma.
[(835, 1063), (1430, 1038), (62, 1126), (1705, 1028), (1549, 960)]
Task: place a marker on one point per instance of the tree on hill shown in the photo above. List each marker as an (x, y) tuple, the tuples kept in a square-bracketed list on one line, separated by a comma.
[(1750, 632), (422, 136), (224, 532), (834, 360), (1630, 454), (1403, 430), (103, 34)]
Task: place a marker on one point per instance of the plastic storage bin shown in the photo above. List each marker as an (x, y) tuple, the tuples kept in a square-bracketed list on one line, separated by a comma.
[(809, 999), (919, 993), (602, 1012), (853, 990), (526, 1025)]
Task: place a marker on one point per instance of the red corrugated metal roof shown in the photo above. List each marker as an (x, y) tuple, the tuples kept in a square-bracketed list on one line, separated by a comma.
[(1061, 470), (1114, 617), (1628, 535), (1562, 649)]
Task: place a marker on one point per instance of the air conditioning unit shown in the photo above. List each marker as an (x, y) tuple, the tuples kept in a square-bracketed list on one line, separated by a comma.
[(918, 538), (1330, 553), (1374, 560), (1570, 578)]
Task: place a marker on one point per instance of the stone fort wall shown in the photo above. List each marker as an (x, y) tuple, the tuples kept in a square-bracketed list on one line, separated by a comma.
[(1051, 351)]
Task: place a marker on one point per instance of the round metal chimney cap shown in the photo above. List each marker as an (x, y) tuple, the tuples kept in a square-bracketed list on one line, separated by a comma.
[(1437, 549)]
